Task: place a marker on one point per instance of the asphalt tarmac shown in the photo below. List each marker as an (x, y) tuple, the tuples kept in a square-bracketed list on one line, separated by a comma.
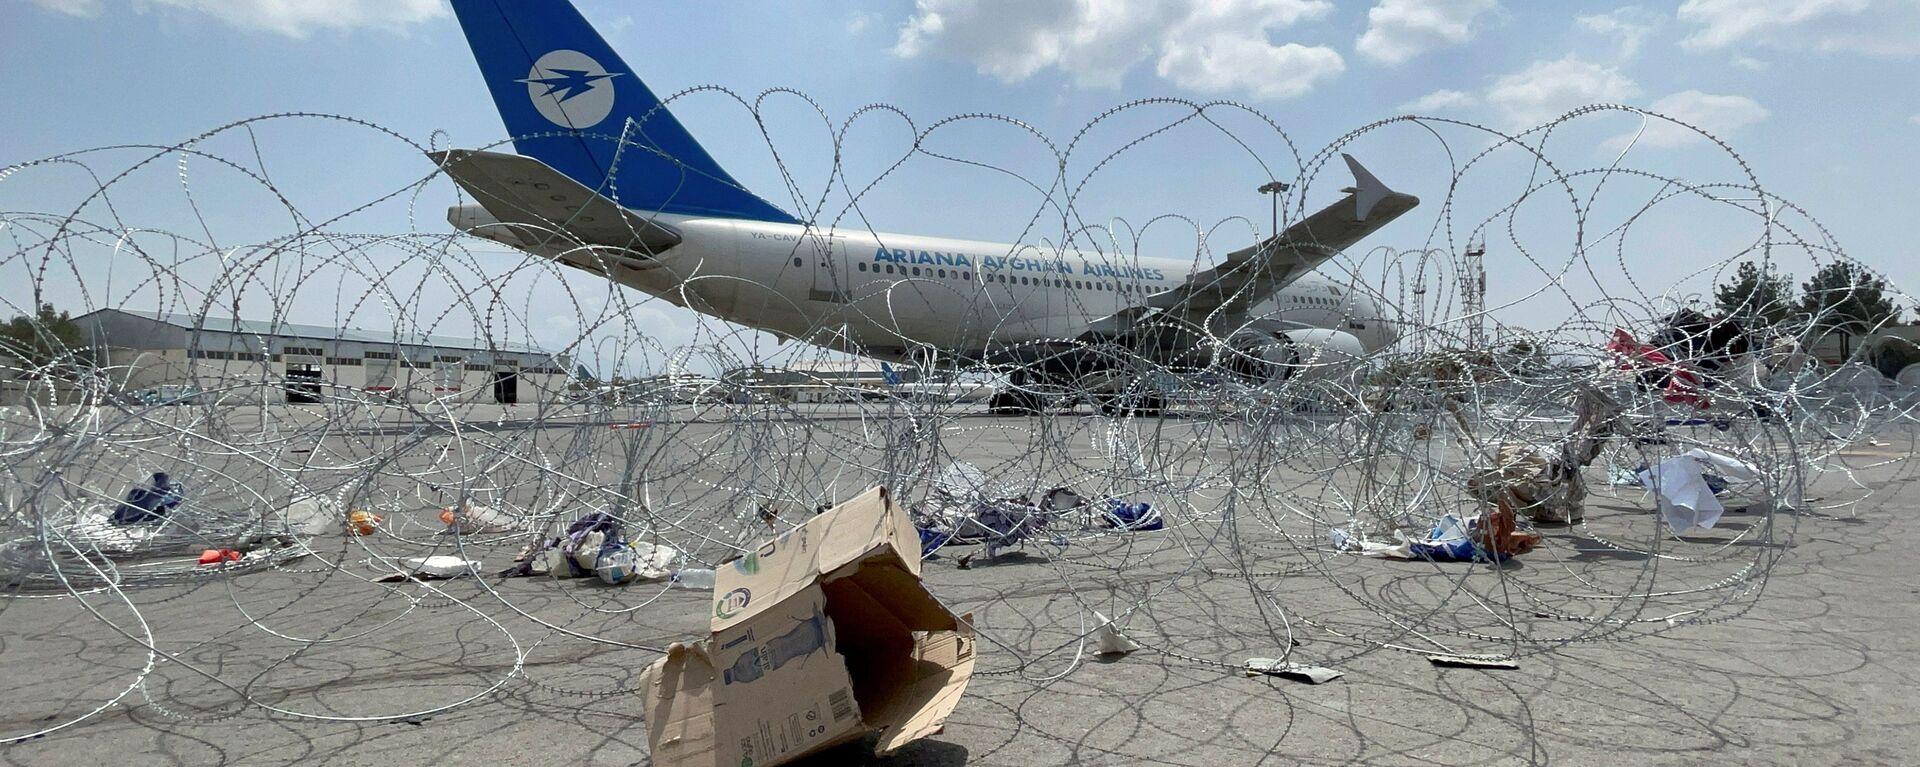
[(1794, 642)]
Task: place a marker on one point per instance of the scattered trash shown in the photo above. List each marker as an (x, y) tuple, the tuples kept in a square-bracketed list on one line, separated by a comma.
[(361, 522), (1289, 670), (571, 554), (1496, 534), (1545, 483), (1473, 661), (586, 553), (310, 517), (931, 540), (219, 556), (617, 564), (828, 626), (961, 510), (441, 566), (1448, 541), (1685, 498), (432, 568), (150, 502), (626, 562), (472, 518), (697, 578), (1657, 371), (1111, 641), (1490, 537), (1132, 517)]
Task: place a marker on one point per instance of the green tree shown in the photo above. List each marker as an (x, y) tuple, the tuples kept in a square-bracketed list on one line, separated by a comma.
[(42, 337), (1845, 296), (1756, 297)]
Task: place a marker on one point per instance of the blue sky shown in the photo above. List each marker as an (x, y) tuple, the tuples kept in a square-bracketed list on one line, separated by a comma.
[(1819, 97)]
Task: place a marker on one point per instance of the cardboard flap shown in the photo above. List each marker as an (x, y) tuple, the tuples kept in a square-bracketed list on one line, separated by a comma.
[(943, 662), (677, 701), (783, 566)]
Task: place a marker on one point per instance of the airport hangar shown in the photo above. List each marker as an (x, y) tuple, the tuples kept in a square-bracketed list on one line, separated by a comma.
[(188, 355)]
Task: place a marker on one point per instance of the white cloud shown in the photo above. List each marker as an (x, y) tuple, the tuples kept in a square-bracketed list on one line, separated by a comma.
[(1548, 89), (1398, 30), (298, 18), (1749, 63), (1715, 114), (1914, 119), (1249, 64), (1628, 27), (81, 8), (1440, 101), (293, 18), (1213, 46), (1874, 27), (861, 21)]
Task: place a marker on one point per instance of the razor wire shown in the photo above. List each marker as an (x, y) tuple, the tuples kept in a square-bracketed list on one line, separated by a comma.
[(1270, 477)]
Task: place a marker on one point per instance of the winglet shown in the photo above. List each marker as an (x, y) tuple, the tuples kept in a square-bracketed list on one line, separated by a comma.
[(1367, 190)]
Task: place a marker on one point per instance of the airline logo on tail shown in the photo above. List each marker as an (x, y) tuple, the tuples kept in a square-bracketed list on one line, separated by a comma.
[(570, 89)]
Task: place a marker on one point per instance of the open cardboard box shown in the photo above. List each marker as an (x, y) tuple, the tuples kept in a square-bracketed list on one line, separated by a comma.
[(821, 636)]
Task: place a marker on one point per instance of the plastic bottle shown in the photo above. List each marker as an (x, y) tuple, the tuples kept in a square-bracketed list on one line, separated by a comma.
[(696, 578)]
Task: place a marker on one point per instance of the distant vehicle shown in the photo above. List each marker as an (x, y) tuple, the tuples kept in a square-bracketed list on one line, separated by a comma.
[(570, 103), (167, 395)]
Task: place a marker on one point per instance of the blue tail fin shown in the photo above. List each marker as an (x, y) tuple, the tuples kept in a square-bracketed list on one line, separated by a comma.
[(567, 98)]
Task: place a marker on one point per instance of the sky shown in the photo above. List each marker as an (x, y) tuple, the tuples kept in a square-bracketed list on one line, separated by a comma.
[(1817, 99)]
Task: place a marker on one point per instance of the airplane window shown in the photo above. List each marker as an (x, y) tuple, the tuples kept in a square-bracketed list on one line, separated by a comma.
[(862, 266), (797, 262), (966, 275), (916, 271), (942, 273)]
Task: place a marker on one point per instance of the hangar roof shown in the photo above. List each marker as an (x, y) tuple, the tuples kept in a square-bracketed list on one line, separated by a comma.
[(323, 332)]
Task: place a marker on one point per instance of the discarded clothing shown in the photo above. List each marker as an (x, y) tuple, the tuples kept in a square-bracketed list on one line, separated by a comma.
[(931, 540), (1132, 517), (150, 502), (1446, 542), (562, 554)]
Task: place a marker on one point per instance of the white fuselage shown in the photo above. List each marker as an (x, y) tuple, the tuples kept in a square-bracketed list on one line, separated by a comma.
[(887, 293)]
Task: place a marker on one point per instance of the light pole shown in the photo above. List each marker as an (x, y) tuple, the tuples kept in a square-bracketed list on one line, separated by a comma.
[(1276, 189)]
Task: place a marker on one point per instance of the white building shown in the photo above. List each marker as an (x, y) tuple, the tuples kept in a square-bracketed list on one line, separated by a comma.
[(153, 355)]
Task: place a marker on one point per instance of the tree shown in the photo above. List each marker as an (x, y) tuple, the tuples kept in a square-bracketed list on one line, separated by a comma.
[(1756, 297), (1845, 296), (40, 338)]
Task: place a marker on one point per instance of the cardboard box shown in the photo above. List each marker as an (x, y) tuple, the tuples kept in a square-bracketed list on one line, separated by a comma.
[(821, 636)]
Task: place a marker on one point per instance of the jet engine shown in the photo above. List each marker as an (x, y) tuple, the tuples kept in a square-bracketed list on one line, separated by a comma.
[(1296, 354)]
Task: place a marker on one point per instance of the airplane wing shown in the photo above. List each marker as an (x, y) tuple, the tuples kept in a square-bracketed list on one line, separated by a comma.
[(549, 211), (1250, 275)]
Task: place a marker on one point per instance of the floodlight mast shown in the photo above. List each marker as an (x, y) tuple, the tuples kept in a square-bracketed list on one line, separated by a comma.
[(1275, 188)]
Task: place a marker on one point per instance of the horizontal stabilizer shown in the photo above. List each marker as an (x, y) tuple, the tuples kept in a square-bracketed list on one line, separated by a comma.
[(548, 211)]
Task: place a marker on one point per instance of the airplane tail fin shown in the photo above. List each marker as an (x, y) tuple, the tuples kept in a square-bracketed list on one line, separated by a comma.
[(570, 102)]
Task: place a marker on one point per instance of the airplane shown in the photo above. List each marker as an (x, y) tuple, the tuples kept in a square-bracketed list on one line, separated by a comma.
[(608, 181)]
